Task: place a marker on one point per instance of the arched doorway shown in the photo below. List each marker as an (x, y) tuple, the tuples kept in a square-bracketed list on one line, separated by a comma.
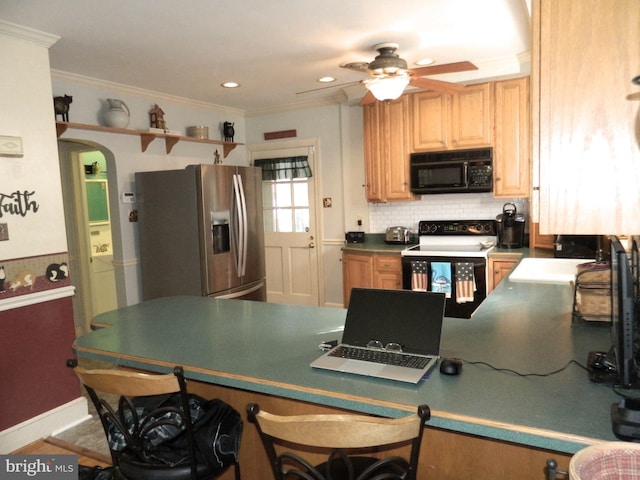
[(85, 169)]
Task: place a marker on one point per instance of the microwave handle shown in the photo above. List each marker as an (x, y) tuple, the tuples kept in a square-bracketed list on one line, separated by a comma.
[(465, 174)]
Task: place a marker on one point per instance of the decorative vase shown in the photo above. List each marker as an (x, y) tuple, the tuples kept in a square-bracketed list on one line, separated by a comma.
[(117, 114)]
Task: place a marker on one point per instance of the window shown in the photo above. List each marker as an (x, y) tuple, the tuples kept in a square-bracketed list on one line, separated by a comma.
[(286, 205), (285, 194)]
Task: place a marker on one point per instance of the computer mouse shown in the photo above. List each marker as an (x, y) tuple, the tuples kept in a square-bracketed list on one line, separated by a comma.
[(450, 366)]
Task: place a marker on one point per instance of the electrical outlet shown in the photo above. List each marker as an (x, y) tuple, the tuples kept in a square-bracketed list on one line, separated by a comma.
[(4, 232)]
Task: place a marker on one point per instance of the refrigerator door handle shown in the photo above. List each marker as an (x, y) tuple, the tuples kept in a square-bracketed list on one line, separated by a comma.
[(241, 210)]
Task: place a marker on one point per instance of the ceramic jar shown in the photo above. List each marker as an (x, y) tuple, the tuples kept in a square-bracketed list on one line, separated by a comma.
[(117, 114)]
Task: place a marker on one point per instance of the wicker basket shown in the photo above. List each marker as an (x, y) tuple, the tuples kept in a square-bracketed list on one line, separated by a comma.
[(592, 301)]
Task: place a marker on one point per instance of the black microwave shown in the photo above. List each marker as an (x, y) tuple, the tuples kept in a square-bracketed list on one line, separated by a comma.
[(455, 171)]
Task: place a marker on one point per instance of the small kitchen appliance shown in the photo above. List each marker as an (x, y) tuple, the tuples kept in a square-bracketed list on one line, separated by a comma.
[(452, 171), (510, 226), (398, 235), (461, 247)]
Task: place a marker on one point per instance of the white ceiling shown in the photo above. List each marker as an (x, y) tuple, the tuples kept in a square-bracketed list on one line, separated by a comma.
[(272, 48)]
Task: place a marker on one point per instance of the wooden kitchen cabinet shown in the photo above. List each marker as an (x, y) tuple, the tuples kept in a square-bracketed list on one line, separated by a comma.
[(586, 129), (368, 270), (499, 268), (446, 122), (386, 141), (388, 272), (357, 271), (511, 166), (537, 240)]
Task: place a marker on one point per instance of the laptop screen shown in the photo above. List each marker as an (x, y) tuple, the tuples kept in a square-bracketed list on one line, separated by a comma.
[(412, 319)]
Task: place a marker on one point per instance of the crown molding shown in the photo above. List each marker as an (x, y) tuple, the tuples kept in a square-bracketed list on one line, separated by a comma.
[(41, 39), (155, 96)]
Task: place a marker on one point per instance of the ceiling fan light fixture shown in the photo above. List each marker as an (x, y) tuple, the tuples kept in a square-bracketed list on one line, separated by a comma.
[(387, 88)]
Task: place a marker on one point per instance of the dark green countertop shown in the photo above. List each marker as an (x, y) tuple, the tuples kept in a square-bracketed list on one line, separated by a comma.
[(267, 348), (374, 243)]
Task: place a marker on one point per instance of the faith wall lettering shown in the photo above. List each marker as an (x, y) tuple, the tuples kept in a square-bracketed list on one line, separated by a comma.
[(18, 203)]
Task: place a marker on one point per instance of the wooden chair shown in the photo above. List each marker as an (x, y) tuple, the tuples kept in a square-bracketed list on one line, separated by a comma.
[(145, 412), (342, 440)]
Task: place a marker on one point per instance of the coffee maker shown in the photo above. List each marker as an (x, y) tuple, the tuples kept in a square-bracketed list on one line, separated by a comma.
[(510, 225)]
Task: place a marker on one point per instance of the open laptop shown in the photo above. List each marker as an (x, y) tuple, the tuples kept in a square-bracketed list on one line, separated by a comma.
[(411, 319)]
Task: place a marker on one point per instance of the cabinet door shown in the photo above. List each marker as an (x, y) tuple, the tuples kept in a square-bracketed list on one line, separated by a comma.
[(588, 121), (388, 272), (395, 127), (499, 269), (431, 112), (511, 168), (472, 116), (537, 240), (373, 152), (357, 271)]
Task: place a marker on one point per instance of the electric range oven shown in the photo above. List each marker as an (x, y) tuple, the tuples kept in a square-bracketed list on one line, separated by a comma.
[(451, 256)]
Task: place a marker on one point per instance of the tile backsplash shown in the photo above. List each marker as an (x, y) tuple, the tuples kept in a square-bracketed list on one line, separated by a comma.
[(452, 206)]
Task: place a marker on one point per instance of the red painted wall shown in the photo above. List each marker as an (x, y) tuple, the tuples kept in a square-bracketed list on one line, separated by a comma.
[(35, 342)]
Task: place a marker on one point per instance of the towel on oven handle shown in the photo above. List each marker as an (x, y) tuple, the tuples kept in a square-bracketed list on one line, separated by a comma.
[(441, 278), (465, 282), (419, 278)]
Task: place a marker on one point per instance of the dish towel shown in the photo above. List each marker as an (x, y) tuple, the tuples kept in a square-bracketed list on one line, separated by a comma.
[(465, 282), (419, 278), (441, 278)]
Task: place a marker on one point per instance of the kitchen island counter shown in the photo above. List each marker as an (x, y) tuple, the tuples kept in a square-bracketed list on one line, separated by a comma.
[(266, 349)]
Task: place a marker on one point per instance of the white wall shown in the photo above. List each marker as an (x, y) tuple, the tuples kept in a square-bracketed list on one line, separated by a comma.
[(27, 112)]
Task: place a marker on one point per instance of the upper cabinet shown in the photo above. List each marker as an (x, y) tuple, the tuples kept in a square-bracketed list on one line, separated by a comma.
[(493, 114), (386, 141), (511, 166), (447, 122), (586, 125)]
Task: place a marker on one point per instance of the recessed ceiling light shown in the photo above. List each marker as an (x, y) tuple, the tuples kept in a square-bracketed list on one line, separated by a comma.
[(425, 61), (230, 85), (326, 79)]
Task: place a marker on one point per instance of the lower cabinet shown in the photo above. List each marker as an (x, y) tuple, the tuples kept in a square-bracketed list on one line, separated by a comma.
[(499, 268), (368, 270)]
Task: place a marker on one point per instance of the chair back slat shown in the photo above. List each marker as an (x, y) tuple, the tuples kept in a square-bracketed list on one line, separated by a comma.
[(345, 440)]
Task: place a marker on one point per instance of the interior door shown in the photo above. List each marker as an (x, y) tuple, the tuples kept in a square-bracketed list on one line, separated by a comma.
[(291, 244)]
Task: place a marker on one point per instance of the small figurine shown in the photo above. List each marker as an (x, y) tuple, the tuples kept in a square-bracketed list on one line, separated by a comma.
[(216, 157), (57, 271), (24, 278), (156, 118), (228, 131), (61, 106)]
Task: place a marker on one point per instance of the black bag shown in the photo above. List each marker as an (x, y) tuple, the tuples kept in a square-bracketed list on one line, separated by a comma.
[(217, 431)]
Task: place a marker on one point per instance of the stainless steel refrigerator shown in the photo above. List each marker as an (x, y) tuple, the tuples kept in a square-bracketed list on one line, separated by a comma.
[(201, 232)]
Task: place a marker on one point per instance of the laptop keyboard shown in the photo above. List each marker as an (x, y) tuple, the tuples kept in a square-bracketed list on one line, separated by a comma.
[(381, 356)]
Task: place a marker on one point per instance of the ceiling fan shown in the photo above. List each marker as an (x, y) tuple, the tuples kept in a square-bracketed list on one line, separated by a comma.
[(389, 75)]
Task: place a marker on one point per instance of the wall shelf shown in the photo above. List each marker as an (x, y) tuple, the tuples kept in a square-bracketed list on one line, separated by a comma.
[(146, 137)]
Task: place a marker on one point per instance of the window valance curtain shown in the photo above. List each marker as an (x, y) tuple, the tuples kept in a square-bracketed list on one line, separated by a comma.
[(286, 167)]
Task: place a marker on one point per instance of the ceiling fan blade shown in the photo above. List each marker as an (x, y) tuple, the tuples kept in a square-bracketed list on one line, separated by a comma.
[(435, 85), (367, 99), (446, 68), (329, 86)]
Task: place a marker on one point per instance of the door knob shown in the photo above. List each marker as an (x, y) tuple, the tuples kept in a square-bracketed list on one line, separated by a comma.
[(312, 244)]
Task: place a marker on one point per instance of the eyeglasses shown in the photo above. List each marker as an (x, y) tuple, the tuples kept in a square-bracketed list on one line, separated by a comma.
[(389, 347)]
